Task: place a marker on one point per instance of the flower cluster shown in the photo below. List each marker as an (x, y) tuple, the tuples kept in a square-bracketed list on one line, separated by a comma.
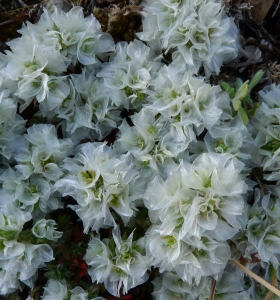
[(120, 265), (29, 185), (197, 32), (171, 286), (262, 228), (58, 290), (12, 126), (151, 158), (35, 66), (129, 72), (99, 181), (194, 213), (267, 132), (19, 259)]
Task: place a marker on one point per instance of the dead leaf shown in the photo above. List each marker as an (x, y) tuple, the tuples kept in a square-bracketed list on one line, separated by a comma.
[(108, 1), (260, 9)]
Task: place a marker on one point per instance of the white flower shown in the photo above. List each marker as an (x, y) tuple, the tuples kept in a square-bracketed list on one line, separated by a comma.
[(120, 266), (91, 47), (230, 137), (98, 257), (217, 181), (129, 72), (271, 204), (164, 248), (130, 256), (36, 59), (95, 110), (99, 181), (55, 290), (11, 225), (78, 293), (171, 286), (135, 140), (7, 107), (203, 198), (268, 98), (44, 152), (269, 242), (30, 87), (19, 262), (11, 136), (12, 250), (8, 282), (187, 102), (35, 256), (197, 32), (205, 257), (266, 130), (230, 285), (58, 290), (46, 229), (57, 90)]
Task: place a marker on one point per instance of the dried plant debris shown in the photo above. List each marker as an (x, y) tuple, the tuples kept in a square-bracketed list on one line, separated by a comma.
[(260, 9), (274, 69), (121, 22), (60, 4), (102, 2)]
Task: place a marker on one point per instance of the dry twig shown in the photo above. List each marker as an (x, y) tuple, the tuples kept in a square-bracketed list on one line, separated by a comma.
[(212, 289), (256, 277)]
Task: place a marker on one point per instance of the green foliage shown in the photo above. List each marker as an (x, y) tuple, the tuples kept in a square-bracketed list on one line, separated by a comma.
[(240, 96), (58, 271)]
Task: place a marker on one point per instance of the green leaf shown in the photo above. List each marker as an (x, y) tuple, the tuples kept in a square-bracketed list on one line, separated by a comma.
[(256, 78), (240, 95), (272, 145), (253, 110), (112, 245), (243, 115), (227, 88), (231, 93), (248, 99)]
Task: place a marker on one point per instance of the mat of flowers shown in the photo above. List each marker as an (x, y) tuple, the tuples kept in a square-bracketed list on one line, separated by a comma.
[(133, 170)]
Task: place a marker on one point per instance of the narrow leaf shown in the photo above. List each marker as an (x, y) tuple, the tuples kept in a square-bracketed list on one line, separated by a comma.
[(226, 87), (243, 115), (248, 99), (256, 78), (112, 245), (231, 93), (236, 103), (240, 95)]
